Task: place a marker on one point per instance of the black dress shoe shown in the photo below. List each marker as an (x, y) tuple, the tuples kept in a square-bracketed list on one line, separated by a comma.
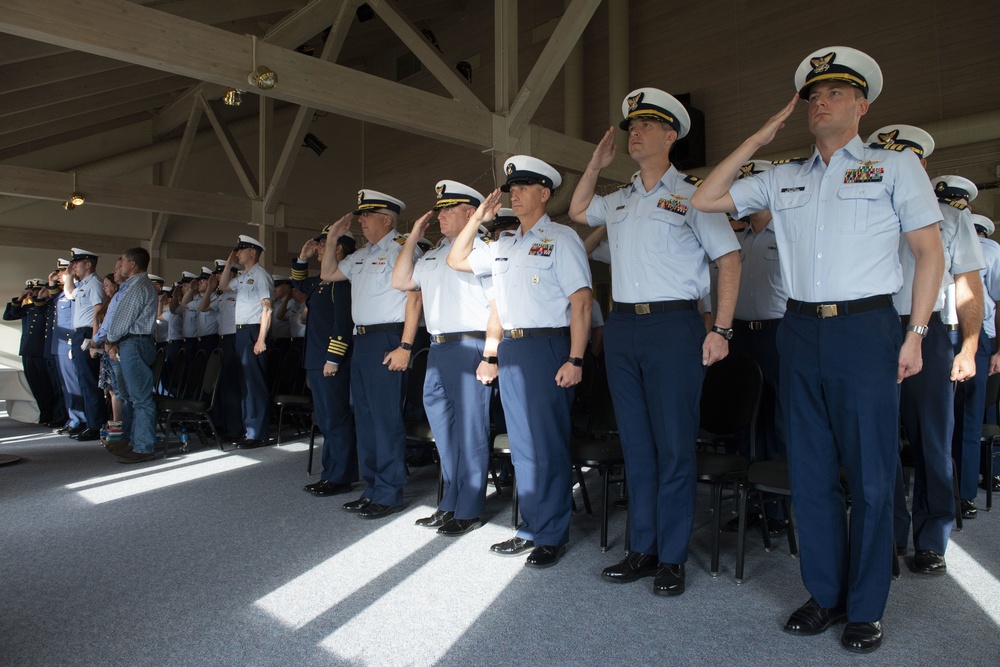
[(72, 431), (901, 550), (926, 561), (862, 637), (544, 556), (512, 547), (377, 511), (329, 488), (358, 505), (811, 619), (135, 457), (969, 510), (455, 527), (250, 443), (87, 435), (634, 566), (669, 579), (995, 482), (436, 520), (314, 485)]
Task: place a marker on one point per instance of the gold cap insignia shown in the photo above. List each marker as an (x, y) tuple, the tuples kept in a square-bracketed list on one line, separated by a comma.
[(440, 191), (822, 63), (633, 101), (510, 168), (747, 169), (940, 187), (361, 196), (888, 137)]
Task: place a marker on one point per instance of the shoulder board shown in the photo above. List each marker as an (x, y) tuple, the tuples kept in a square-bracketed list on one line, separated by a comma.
[(888, 147), (401, 240), (693, 180), (619, 186), (960, 204), (791, 160)]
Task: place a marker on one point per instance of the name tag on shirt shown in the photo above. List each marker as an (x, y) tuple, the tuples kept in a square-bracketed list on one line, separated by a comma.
[(801, 188)]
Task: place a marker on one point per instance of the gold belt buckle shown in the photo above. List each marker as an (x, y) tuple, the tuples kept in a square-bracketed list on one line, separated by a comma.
[(517, 333), (642, 309), (438, 338), (826, 310), (756, 325), (361, 329)]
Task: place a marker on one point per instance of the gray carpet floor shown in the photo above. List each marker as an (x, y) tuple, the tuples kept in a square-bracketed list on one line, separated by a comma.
[(222, 559)]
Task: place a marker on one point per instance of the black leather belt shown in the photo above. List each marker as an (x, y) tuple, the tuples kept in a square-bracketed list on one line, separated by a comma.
[(935, 319), (375, 328), (460, 335), (127, 336), (839, 308), (951, 327), (244, 326), (79, 329), (756, 325), (535, 333), (653, 307)]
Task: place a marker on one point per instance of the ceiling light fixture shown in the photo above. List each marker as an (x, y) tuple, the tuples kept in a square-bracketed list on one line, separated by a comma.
[(263, 76), (232, 98), (75, 199)]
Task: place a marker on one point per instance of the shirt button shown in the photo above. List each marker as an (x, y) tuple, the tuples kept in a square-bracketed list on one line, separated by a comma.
[(817, 284), (821, 228), (819, 256), (823, 200)]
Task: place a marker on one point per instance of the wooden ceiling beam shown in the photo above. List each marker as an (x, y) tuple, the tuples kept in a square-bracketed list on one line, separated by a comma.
[(225, 11), (15, 50), (104, 125), (66, 68)]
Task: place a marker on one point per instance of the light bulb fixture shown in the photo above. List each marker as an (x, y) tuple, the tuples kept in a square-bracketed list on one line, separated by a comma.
[(263, 76), (232, 98), (68, 205), (75, 199)]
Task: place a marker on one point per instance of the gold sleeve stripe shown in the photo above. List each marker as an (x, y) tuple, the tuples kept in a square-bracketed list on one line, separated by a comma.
[(299, 274)]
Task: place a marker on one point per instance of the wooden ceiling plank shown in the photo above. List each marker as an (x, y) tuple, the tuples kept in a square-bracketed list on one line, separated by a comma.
[(421, 47), (104, 125), (225, 11), (105, 82), (232, 149), (135, 34), (56, 186), (15, 50), (550, 62), (286, 161), (47, 239), (58, 111), (67, 68), (183, 151)]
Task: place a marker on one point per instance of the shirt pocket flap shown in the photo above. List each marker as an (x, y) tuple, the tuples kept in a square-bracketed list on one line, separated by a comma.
[(863, 191)]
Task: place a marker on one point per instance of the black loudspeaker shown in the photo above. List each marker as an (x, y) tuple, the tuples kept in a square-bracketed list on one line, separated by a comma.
[(689, 152)]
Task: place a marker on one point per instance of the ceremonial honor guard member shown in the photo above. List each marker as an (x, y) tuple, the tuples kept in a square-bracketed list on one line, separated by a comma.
[(62, 341), (230, 413), (541, 279), (655, 344), (385, 327), (31, 308), (85, 294), (927, 399), (461, 362), (837, 216), (327, 361), (254, 294), (970, 397)]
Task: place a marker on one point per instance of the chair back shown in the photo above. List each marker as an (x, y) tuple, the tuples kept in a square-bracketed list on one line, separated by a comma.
[(210, 377), (290, 376), (730, 398), (413, 399), (191, 389), (177, 370), (157, 368), (602, 421)]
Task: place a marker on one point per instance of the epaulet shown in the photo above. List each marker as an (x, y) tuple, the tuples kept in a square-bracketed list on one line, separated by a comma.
[(791, 160), (960, 204), (888, 146), (694, 180), (401, 240)]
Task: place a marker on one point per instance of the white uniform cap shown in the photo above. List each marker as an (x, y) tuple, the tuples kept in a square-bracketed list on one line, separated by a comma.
[(249, 242), (188, 275), (371, 200), (524, 169), (900, 137), (156, 279), (80, 253), (839, 63), (955, 187), (656, 104), (984, 223), (453, 193)]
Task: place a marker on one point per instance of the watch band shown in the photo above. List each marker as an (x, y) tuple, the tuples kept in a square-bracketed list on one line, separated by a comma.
[(576, 361), (490, 360), (725, 333), (920, 329), (406, 346)]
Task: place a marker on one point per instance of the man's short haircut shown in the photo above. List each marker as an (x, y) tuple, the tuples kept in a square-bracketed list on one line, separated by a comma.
[(138, 255)]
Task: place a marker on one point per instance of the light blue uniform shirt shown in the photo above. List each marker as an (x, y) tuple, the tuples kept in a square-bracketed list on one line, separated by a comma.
[(658, 241), (295, 323), (208, 321), (280, 328), (175, 323), (190, 315), (962, 254), (373, 298), (762, 293), (838, 225), (991, 284), (534, 274), (227, 313), (454, 301), (252, 287), (89, 292)]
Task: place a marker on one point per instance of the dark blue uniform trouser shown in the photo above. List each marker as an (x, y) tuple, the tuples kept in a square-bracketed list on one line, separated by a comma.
[(255, 395), (36, 372), (378, 416), (970, 403), (228, 396), (538, 425), (70, 387), (841, 406), (926, 407), (458, 409), (87, 370), (59, 411), (655, 376), (332, 406)]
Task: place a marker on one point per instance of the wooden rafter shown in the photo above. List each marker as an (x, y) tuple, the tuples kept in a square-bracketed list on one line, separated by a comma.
[(232, 149)]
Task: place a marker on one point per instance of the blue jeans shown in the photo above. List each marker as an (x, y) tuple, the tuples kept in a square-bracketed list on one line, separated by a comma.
[(136, 355)]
